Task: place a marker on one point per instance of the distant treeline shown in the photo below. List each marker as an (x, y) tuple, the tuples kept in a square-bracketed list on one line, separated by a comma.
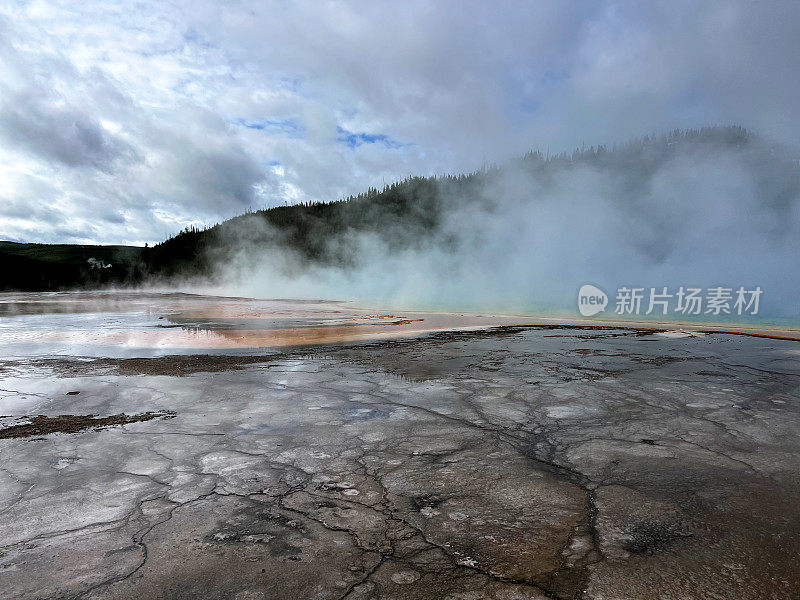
[(48, 267), (404, 214)]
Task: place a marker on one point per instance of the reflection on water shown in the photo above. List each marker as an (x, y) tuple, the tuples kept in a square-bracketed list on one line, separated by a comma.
[(119, 324), (128, 323)]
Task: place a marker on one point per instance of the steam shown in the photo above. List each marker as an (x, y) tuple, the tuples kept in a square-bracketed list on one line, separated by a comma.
[(709, 216)]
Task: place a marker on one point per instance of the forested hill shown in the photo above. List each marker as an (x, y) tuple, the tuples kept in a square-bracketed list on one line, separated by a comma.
[(46, 267), (409, 214)]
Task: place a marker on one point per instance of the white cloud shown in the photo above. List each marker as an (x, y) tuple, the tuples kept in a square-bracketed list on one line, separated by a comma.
[(126, 121)]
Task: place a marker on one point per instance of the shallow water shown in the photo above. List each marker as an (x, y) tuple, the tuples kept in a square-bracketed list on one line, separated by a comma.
[(141, 324), (149, 323)]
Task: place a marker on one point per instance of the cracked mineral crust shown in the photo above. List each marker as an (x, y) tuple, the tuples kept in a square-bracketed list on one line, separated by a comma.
[(521, 463)]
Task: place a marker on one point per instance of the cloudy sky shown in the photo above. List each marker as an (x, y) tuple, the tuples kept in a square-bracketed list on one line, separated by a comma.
[(123, 122)]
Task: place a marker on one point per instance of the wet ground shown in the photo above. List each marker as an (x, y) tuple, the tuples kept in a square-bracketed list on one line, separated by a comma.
[(514, 462)]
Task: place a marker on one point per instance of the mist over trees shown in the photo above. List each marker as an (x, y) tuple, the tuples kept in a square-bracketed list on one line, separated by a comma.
[(409, 213), (661, 209)]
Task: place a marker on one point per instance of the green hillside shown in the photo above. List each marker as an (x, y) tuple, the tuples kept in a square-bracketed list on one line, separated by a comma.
[(43, 267), (406, 214)]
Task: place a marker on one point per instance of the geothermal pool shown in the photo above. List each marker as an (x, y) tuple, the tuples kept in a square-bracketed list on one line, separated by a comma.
[(141, 324), (183, 446)]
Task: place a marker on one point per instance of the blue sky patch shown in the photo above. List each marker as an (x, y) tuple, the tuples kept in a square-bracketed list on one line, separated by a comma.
[(288, 127), (354, 139)]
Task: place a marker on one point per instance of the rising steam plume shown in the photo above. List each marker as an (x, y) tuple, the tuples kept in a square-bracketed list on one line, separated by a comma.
[(717, 206)]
